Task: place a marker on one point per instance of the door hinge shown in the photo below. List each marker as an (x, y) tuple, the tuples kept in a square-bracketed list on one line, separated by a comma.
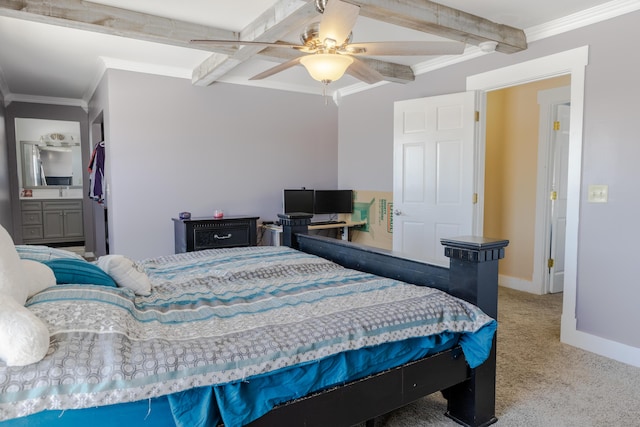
[(550, 263), (553, 195), (477, 116), (556, 125), (475, 198)]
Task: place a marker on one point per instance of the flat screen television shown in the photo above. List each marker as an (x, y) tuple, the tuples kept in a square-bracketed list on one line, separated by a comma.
[(333, 201), (297, 200)]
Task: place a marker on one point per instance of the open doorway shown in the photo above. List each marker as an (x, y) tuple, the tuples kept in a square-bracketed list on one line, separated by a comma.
[(99, 208), (572, 62), (520, 180)]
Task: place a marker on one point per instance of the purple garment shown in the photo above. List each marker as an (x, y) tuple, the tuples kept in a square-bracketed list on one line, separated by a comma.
[(96, 177)]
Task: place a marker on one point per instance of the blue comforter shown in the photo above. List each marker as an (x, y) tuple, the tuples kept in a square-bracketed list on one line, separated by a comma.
[(228, 332)]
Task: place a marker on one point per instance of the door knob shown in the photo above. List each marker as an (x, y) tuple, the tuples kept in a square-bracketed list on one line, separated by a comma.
[(397, 212)]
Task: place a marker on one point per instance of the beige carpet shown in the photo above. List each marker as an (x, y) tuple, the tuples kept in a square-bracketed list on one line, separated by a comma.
[(540, 381)]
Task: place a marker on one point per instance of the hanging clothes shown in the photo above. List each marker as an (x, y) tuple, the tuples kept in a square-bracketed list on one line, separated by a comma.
[(97, 182)]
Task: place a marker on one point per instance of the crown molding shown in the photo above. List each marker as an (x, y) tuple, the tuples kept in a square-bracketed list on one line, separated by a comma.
[(71, 102), (581, 19)]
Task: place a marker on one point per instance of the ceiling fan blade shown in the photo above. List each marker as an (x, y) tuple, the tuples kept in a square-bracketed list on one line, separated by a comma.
[(362, 71), (406, 48), (248, 43), (278, 68), (337, 21)]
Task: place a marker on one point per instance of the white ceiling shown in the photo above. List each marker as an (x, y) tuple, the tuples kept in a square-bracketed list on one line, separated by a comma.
[(40, 61)]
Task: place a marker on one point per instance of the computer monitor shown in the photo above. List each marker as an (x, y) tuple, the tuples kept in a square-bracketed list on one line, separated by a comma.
[(333, 201), (297, 200)]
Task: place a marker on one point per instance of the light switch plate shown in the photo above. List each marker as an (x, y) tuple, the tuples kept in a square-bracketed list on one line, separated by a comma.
[(598, 193)]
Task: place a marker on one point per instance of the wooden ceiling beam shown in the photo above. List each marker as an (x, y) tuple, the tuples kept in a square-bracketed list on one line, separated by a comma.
[(94, 17), (274, 24), (453, 24)]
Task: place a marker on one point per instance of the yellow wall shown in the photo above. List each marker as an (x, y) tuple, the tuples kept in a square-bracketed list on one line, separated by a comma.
[(511, 171)]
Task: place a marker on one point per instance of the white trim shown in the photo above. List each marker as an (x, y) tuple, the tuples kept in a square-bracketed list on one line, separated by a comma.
[(595, 344), (480, 162), (518, 284), (547, 101), (581, 19), (570, 62), (530, 71), (72, 102)]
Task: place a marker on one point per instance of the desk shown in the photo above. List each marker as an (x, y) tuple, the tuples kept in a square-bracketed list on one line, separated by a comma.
[(276, 230)]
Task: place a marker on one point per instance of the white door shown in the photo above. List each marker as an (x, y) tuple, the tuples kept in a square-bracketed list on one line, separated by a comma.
[(559, 199), (433, 173)]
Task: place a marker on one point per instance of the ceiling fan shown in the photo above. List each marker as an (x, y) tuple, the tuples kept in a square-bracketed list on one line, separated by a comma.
[(329, 52)]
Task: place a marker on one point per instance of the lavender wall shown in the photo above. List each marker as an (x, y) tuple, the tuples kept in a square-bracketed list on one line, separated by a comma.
[(173, 147), (607, 290)]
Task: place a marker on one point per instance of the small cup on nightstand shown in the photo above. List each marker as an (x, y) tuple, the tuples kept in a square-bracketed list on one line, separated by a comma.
[(218, 213)]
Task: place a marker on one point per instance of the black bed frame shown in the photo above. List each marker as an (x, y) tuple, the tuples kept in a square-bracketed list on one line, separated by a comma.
[(470, 393)]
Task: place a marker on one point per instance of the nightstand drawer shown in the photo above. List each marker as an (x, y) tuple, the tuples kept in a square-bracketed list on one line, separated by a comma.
[(206, 238), (196, 234)]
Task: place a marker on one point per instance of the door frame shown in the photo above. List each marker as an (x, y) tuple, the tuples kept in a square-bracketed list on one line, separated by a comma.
[(572, 62), (548, 100)]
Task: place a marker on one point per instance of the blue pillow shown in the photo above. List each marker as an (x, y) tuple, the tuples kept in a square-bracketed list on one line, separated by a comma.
[(78, 271)]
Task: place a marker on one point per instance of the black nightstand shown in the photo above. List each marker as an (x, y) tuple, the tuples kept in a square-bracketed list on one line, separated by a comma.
[(196, 234)]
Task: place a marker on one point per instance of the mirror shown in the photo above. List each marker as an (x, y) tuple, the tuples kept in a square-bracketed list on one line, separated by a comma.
[(49, 153)]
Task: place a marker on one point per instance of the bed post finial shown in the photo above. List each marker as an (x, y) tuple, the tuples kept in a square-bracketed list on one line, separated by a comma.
[(473, 270), (292, 224), (473, 276)]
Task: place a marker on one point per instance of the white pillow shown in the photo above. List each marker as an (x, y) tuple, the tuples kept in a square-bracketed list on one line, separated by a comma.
[(24, 339), (12, 281), (38, 276), (125, 273), (44, 253)]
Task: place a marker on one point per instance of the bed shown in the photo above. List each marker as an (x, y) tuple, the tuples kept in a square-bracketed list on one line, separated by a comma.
[(252, 322)]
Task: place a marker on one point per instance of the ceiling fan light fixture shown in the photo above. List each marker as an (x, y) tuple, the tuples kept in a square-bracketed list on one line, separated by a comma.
[(326, 67)]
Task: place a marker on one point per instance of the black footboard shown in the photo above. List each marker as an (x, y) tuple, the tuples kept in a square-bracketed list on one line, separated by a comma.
[(472, 276)]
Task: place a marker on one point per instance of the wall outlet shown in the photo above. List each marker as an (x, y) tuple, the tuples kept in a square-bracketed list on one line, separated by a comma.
[(598, 193)]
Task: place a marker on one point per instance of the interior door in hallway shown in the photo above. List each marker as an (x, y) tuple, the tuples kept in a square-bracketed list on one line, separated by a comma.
[(559, 200), (433, 173)]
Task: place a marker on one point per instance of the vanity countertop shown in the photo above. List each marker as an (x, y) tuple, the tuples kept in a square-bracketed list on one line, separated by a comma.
[(54, 193)]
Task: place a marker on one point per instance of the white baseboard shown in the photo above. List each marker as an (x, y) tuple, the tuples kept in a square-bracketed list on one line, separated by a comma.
[(518, 284), (571, 336), (613, 350)]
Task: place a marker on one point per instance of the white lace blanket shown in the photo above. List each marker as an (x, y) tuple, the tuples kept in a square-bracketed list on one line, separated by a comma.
[(215, 317)]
